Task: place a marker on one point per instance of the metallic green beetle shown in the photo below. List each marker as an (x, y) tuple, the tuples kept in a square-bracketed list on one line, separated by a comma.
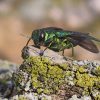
[(58, 39)]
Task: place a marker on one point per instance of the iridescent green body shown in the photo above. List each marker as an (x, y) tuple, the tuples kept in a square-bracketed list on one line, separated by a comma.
[(58, 39), (54, 39), (55, 43)]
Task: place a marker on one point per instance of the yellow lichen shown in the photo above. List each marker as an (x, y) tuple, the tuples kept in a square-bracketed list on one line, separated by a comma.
[(97, 97), (81, 69), (47, 77), (22, 98), (97, 71), (86, 80)]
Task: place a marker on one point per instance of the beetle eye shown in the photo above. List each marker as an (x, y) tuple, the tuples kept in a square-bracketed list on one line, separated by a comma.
[(41, 37)]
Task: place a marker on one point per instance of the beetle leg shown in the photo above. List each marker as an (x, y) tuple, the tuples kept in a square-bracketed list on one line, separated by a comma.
[(42, 51), (72, 50), (63, 53), (48, 46), (28, 42), (45, 49)]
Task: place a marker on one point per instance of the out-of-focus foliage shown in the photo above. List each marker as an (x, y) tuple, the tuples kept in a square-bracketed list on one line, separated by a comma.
[(22, 16)]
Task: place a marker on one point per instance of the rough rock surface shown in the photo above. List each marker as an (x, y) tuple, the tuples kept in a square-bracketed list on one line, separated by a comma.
[(54, 77), (6, 84)]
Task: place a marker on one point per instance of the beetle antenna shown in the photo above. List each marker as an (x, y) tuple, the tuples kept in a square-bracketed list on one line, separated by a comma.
[(24, 35), (28, 42)]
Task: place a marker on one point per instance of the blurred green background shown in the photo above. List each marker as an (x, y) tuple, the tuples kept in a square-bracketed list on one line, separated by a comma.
[(23, 16)]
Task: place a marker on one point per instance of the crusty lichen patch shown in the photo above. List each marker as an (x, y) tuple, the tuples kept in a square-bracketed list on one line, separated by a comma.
[(45, 76), (40, 75), (87, 81)]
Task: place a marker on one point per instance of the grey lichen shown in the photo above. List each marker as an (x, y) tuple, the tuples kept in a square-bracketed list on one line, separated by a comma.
[(6, 84)]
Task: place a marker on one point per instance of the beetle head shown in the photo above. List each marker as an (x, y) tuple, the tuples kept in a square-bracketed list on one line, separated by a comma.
[(38, 36)]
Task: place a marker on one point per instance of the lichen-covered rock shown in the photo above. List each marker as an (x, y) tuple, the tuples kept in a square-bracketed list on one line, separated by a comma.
[(6, 84), (53, 80)]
